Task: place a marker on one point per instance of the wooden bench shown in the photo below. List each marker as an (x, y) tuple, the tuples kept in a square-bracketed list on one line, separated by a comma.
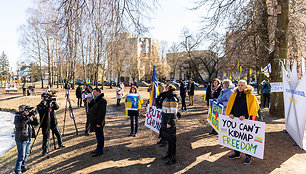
[(11, 90)]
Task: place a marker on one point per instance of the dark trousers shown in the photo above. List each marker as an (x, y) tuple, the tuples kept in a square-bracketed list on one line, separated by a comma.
[(24, 91), (183, 102), (266, 97), (87, 126), (238, 153), (57, 133), (79, 102), (118, 102), (172, 143), (100, 140), (134, 129)]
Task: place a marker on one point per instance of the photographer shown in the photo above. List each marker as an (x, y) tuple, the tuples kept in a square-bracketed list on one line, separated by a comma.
[(42, 108), (24, 131)]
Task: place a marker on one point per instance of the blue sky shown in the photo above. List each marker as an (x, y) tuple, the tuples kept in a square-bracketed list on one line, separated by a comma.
[(166, 24)]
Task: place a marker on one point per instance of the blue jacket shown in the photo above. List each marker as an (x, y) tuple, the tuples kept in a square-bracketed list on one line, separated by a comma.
[(266, 88), (224, 96), (183, 90)]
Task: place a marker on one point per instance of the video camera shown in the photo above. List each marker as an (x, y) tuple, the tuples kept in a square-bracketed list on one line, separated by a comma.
[(50, 96), (30, 110)]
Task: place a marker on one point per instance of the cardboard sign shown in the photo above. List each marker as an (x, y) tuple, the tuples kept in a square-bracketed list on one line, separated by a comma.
[(153, 119), (276, 87), (214, 111), (245, 136)]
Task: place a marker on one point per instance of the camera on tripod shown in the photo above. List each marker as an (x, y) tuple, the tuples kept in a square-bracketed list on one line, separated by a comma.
[(50, 96), (30, 110)]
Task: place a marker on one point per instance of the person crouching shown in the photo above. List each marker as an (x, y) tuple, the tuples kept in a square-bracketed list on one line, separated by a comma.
[(168, 124)]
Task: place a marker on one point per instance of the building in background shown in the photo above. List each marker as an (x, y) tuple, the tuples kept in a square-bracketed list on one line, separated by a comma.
[(131, 58)]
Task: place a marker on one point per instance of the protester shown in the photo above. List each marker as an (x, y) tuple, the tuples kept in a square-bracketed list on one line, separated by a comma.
[(122, 88), (228, 89), (213, 90), (67, 87), (133, 103), (118, 94), (190, 91), (243, 105), (24, 131), (78, 93), (183, 95), (168, 124), (42, 108), (266, 90), (97, 111), (159, 105), (48, 89), (87, 94), (24, 89)]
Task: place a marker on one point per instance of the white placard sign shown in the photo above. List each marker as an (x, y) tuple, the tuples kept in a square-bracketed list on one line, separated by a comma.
[(153, 118), (245, 136), (277, 87)]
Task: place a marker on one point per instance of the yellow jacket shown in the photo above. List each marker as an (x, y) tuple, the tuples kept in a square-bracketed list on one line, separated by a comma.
[(252, 103)]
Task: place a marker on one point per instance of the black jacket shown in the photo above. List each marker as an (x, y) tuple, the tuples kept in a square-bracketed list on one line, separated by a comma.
[(24, 127), (183, 89), (191, 88), (216, 93), (43, 114), (97, 111), (78, 92), (159, 100)]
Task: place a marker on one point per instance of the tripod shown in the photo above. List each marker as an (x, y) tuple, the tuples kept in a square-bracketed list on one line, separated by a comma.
[(70, 113), (48, 130)]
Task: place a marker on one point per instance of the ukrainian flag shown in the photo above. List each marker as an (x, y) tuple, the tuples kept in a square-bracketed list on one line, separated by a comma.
[(154, 88)]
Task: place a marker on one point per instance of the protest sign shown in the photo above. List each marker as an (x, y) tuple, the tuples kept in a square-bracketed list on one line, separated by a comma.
[(213, 114), (294, 103), (153, 119), (276, 87), (245, 136)]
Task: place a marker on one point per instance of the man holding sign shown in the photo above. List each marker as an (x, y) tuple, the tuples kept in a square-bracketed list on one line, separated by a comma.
[(244, 105)]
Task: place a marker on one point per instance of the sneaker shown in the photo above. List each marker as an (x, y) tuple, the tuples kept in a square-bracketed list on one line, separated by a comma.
[(43, 153), (131, 134), (135, 135), (234, 156), (61, 146), (86, 134), (93, 152), (97, 154), (247, 160), (25, 169)]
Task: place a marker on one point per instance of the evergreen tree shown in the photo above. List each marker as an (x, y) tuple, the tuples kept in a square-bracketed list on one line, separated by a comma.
[(4, 65)]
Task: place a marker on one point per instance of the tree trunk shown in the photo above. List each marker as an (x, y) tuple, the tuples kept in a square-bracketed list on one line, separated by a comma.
[(280, 52)]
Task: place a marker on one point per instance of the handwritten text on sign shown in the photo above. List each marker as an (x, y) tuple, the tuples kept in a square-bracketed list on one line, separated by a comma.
[(246, 136), (213, 114), (277, 87), (153, 119)]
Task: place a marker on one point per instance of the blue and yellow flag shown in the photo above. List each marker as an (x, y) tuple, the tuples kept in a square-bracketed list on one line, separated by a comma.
[(154, 88)]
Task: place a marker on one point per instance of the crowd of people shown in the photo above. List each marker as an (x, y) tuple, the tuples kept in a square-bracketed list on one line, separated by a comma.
[(237, 102)]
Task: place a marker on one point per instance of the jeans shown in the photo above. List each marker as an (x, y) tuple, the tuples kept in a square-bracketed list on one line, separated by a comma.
[(100, 140), (136, 124), (183, 102), (57, 133), (23, 149)]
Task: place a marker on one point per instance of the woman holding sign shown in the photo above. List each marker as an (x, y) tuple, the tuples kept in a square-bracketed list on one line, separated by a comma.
[(244, 105), (133, 103), (168, 124)]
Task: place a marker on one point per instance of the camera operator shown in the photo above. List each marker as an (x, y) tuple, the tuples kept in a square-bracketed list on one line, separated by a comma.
[(87, 95), (42, 108), (67, 87), (24, 130)]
